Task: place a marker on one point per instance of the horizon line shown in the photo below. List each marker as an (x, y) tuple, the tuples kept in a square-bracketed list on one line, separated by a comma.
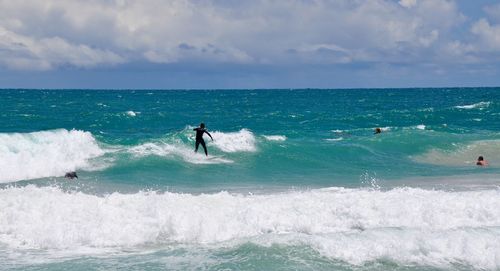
[(257, 89)]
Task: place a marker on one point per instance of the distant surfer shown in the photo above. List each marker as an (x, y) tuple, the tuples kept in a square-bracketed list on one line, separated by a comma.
[(199, 137), (71, 175), (377, 131), (481, 161)]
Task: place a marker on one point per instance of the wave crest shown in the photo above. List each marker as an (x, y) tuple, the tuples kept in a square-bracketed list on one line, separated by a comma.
[(479, 105), (45, 154), (275, 137), (241, 141), (47, 217)]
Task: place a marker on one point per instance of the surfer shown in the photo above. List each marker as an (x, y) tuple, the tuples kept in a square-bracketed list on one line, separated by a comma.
[(199, 137), (481, 161)]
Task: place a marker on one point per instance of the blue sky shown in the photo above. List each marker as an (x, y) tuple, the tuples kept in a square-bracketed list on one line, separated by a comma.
[(158, 44)]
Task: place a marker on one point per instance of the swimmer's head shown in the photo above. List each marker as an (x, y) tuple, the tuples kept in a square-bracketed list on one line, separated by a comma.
[(378, 130), (202, 125), (480, 158)]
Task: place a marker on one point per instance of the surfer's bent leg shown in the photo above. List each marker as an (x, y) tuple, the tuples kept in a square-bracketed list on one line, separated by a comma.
[(204, 146)]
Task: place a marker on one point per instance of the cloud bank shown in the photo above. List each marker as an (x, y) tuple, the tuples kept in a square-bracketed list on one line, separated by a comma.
[(55, 35)]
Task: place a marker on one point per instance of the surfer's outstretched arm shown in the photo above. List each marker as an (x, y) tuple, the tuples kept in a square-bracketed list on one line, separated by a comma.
[(209, 135)]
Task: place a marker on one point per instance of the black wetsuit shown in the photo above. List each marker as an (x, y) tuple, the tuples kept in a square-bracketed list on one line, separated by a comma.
[(199, 139)]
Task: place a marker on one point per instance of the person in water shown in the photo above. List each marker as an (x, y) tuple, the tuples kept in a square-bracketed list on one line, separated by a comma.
[(199, 137), (377, 131), (481, 161)]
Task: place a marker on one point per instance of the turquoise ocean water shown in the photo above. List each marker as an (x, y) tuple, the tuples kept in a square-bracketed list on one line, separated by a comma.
[(294, 180)]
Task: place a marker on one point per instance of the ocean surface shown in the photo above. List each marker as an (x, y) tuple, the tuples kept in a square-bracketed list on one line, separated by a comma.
[(294, 180)]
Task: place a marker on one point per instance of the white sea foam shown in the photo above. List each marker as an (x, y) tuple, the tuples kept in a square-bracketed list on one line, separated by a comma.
[(275, 137), (420, 127), (424, 227), (131, 113), (393, 223), (176, 150), (463, 154), (335, 139), (477, 247), (241, 141), (479, 105), (45, 154)]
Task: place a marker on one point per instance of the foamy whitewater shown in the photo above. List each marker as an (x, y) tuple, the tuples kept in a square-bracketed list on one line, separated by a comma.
[(45, 154), (293, 180), (339, 222)]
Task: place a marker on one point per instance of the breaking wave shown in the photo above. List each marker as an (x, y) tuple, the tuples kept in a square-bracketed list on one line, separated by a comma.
[(176, 150), (241, 141), (52, 153), (46, 153), (479, 105), (354, 225), (181, 146)]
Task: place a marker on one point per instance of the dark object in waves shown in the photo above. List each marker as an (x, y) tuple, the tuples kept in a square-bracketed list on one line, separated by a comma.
[(71, 175)]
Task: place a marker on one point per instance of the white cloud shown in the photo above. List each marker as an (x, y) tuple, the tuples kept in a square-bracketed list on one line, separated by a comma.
[(481, 45), (427, 41), (94, 32), (489, 35), (408, 3), (21, 52), (460, 52)]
